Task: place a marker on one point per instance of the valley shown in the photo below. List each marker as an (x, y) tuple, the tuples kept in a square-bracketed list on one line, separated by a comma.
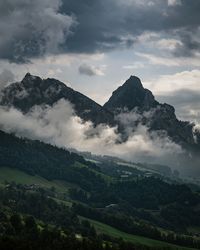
[(145, 204)]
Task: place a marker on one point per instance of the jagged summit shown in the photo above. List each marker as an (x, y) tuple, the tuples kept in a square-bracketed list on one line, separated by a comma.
[(134, 81), (28, 75), (33, 90), (30, 81), (130, 95)]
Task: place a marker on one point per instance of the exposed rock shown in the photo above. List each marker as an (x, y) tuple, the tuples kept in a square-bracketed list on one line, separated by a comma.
[(33, 90), (133, 96)]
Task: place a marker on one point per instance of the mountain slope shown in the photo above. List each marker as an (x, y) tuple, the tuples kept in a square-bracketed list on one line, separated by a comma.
[(33, 90)]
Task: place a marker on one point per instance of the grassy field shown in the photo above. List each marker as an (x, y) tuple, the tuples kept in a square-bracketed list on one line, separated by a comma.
[(19, 177), (139, 240)]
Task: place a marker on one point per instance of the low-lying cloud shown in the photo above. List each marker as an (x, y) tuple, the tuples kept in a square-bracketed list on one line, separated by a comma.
[(59, 125)]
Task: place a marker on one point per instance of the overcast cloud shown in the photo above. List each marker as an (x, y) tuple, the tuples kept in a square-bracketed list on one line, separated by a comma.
[(60, 126), (107, 25), (32, 28), (95, 45), (35, 28)]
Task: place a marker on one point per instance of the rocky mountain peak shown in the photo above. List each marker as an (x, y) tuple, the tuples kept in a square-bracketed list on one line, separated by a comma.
[(130, 95), (33, 90), (28, 76), (31, 81), (133, 82)]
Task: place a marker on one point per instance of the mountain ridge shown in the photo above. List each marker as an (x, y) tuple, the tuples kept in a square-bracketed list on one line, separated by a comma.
[(131, 96), (33, 90)]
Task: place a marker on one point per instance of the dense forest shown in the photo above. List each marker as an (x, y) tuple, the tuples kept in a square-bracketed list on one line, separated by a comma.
[(32, 220), (145, 206), (37, 158)]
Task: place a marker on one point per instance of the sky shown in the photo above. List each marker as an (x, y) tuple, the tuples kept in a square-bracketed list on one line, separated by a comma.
[(95, 45)]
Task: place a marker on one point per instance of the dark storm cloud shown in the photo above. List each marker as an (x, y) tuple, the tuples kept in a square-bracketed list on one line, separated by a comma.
[(31, 28), (34, 28), (106, 25)]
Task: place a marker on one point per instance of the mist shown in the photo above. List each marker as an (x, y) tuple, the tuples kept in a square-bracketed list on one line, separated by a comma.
[(59, 125)]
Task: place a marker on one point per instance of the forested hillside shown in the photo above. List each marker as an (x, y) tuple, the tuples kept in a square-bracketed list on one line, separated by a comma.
[(150, 207)]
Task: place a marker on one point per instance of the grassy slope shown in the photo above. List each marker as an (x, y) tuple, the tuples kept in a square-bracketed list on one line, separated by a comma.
[(19, 177), (108, 230)]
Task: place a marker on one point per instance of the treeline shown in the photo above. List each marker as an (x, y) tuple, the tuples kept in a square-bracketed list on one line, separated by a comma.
[(131, 226), (30, 220), (37, 203), (148, 193), (137, 206), (19, 232), (174, 204), (50, 162)]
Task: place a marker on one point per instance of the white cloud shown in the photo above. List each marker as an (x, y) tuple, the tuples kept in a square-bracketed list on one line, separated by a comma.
[(59, 125), (168, 44), (170, 61), (170, 83), (182, 90), (147, 36), (30, 28), (174, 2)]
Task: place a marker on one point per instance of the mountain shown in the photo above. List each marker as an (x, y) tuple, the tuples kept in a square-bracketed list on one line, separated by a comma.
[(133, 96), (33, 90)]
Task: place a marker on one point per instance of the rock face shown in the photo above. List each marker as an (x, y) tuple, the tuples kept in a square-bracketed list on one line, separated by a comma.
[(33, 90), (133, 96)]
